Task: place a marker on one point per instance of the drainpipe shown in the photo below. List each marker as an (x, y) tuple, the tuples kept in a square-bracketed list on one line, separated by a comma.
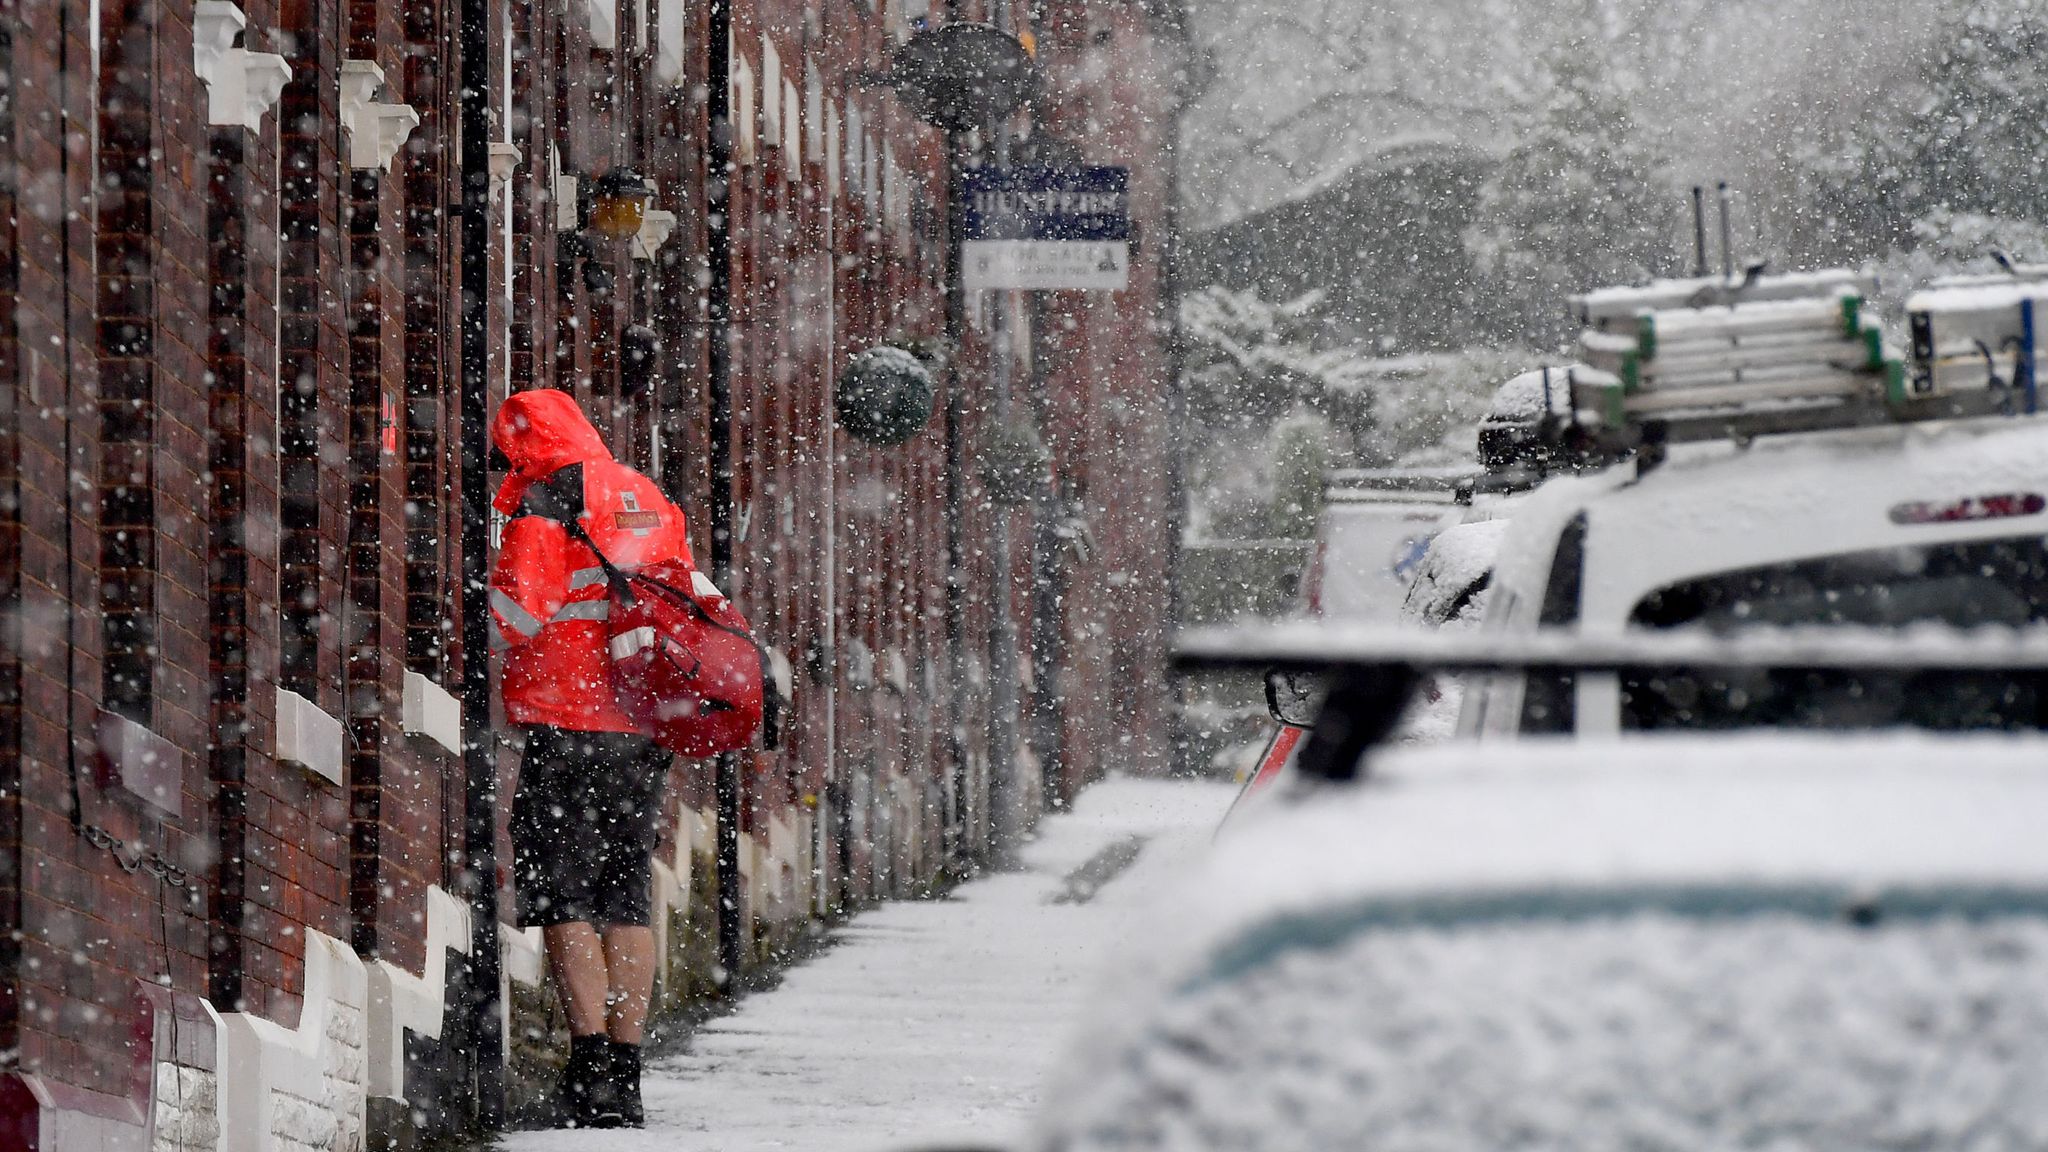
[(479, 747), (719, 176), (1005, 813), (1048, 581), (956, 573), (1174, 17)]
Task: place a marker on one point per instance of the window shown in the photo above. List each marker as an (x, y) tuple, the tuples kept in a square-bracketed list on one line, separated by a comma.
[(1983, 583)]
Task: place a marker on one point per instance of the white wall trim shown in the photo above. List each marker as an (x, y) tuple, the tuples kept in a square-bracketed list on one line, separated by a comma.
[(400, 1001), (522, 958), (427, 709), (309, 737), (266, 1067), (376, 130), (602, 16)]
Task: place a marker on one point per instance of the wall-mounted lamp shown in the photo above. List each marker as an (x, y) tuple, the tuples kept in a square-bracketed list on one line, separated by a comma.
[(619, 200), (613, 206)]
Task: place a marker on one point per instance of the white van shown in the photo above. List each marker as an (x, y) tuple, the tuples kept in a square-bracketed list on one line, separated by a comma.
[(1940, 522)]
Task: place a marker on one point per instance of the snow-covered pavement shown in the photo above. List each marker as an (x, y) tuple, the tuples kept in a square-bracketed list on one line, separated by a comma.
[(927, 1022)]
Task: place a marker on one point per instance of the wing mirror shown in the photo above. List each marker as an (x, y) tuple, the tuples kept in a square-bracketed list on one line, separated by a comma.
[(1293, 697)]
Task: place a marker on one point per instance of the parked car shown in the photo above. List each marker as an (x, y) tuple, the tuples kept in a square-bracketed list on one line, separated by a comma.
[(1683, 942), (1446, 586), (1373, 532)]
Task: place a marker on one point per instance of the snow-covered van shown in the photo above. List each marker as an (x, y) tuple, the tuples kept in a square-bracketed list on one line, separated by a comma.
[(1374, 529), (1412, 546), (1774, 463)]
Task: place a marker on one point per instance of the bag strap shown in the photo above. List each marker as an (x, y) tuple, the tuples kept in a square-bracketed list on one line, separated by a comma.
[(574, 527), (622, 583)]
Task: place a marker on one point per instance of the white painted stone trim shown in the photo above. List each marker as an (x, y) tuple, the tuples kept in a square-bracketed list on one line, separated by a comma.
[(505, 158), (743, 111), (522, 958), (360, 80), (240, 85), (792, 140), (671, 895), (669, 56), (297, 1087), (784, 673), (394, 125), (215, 24), (771, 91), (524, 955), (427, 709), (603, 18), (400, 1001), (309, 737), (565, 191), (814, 114), (376, 130)]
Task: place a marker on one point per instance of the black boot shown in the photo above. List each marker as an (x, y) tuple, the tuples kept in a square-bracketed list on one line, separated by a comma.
[(626, 1084), (585, 1079)]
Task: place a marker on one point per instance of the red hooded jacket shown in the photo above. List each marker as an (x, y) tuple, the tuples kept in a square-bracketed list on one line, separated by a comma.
[(549, 596)]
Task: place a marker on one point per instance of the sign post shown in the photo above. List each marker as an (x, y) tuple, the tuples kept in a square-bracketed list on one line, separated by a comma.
[(959, 76), (1047, 229)]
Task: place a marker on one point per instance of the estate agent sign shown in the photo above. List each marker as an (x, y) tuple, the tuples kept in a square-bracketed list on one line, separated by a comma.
[(1047, 228)]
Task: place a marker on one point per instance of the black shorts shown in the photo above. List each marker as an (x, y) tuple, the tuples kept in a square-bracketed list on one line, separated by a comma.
[(583, 827)]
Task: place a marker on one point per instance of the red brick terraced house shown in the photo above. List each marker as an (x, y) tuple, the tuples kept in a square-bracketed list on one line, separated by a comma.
[(232, 791)]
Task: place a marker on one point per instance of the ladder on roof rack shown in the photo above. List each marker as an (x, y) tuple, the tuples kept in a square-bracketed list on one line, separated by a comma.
[(1733, 355), (1694, 360), (1979, 336), (1611, 309)]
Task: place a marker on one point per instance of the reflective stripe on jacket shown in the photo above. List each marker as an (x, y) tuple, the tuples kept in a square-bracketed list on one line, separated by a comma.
[(549, 596)]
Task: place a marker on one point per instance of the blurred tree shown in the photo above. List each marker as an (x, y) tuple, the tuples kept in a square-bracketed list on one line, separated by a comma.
[(1965, 137), (1579, 201), (1300, 449), (1249, 361)]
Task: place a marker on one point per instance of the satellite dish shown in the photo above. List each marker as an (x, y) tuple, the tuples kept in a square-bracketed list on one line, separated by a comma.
[(962, 75)]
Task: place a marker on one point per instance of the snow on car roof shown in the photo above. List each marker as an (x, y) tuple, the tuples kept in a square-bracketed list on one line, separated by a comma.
[(1936, 817), (1466, 817), (1894, 811), (1521, 397)]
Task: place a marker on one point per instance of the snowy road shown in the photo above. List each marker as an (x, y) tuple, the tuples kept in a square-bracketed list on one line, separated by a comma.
[(928, 1022)]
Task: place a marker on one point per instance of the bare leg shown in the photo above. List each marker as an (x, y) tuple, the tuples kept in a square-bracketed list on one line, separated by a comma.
[(578, 962), (629, 959)]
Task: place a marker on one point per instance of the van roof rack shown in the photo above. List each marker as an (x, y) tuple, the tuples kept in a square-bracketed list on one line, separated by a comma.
[(1715, 359), (1422, 481), (1371, 672)]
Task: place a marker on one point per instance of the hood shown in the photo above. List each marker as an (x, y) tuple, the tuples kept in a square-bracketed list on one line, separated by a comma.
[(540, 431)]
